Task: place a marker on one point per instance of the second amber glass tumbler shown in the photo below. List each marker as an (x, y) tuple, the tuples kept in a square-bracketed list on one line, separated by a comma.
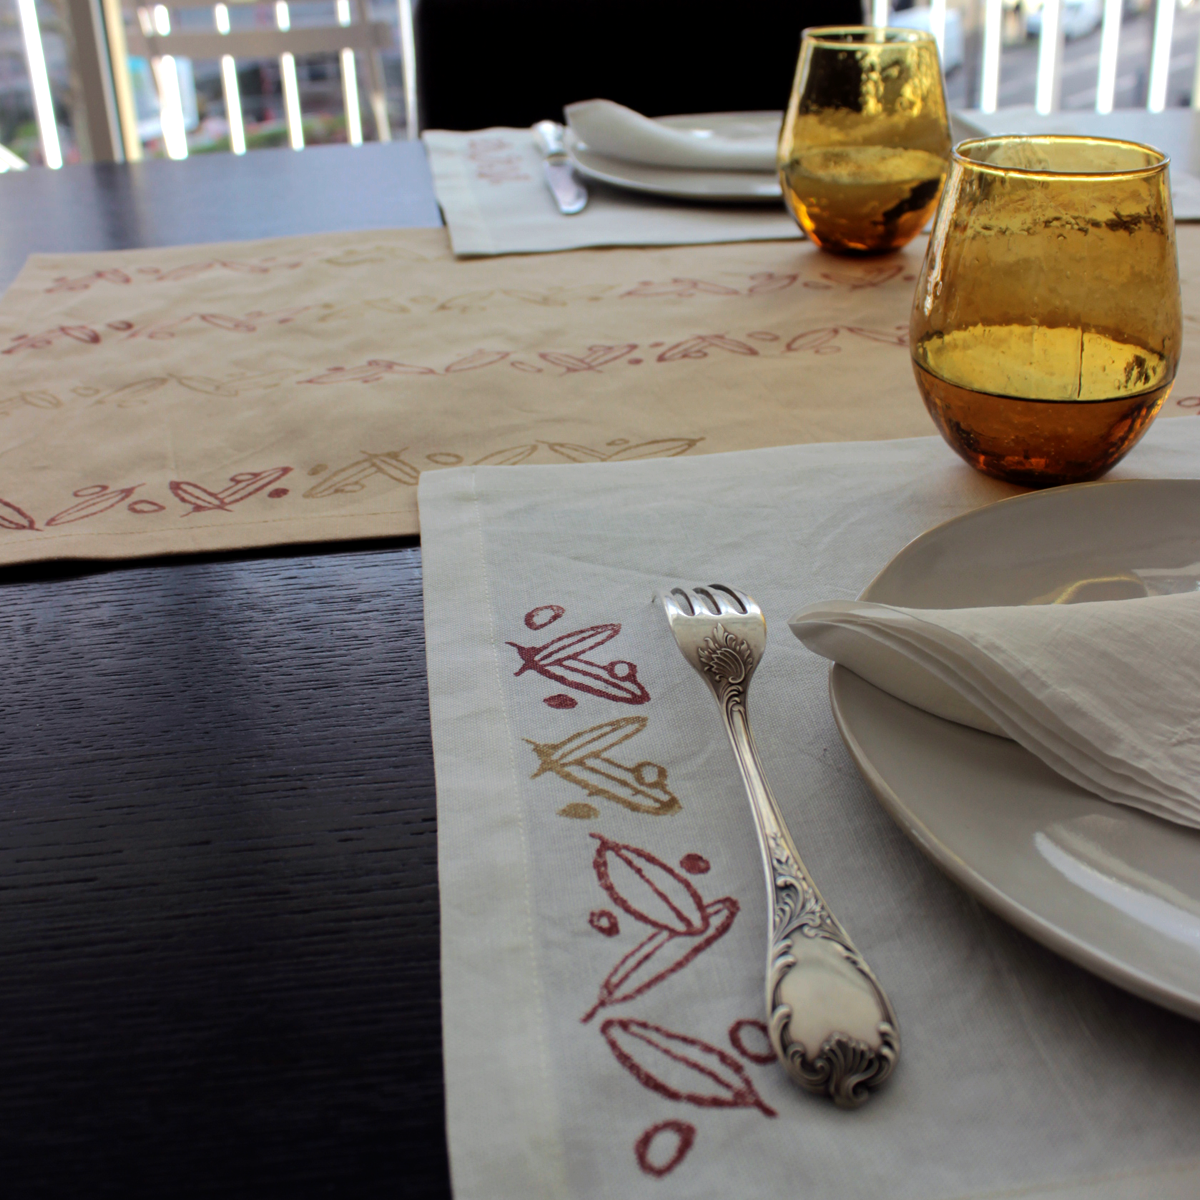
[(1046, 324), (865, 142)]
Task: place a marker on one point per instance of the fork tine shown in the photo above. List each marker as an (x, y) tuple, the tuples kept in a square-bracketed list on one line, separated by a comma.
[(678, 591), (734, 595), (710, 601)]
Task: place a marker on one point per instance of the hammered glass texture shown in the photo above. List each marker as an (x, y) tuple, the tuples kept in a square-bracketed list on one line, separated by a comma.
[(865, 142), (1046, 324)]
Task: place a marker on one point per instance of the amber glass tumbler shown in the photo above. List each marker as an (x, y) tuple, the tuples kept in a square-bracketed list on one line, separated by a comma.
[(1046, 324), (865, 142)]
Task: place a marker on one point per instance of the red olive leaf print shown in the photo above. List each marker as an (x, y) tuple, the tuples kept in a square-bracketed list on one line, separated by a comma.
[(373, 370), (819, 341), (660, 955), (683, 288), (680, 1067), (595, 357), (768, 281), (698, 347), (658, 448), (647, 889), (12, 517), (477, 359), (92, 501), (83, 282), (39, 341), (562, 659), (583, 760), (647, 1149), (241, 486)]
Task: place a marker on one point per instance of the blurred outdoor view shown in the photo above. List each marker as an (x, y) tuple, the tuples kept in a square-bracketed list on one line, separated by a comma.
[(259, 83), (322, 103)]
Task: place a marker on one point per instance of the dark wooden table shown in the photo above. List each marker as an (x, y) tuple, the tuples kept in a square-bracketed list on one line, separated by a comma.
[(218, 889)]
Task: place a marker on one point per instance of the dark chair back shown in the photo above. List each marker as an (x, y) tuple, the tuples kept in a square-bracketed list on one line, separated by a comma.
[(514, 62)]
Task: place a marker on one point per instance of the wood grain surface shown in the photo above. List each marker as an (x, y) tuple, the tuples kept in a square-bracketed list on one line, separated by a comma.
[(218, 891)]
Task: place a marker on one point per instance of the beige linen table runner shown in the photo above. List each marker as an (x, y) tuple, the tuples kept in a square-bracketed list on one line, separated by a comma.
[(603, 917), (260, 393)]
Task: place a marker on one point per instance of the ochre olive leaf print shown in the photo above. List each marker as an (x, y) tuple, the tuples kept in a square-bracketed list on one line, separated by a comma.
[(583, 759), (680, 1067)]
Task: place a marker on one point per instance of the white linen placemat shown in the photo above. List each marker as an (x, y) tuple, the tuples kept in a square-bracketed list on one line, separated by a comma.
[(495, 201), (602, 905)]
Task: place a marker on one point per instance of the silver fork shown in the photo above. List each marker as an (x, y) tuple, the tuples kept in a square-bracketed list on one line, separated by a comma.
[(830, 1022)]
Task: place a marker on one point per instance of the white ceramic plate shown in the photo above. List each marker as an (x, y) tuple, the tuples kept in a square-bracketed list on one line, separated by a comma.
[(1112, 889), (742, 187), (724, 186)]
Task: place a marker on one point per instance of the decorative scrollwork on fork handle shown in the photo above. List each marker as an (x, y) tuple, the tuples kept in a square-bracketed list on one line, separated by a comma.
[(810, 955)]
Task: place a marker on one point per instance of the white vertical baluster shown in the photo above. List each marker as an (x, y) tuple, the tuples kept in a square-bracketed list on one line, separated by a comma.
[(39, 83), (291, 89), (1049, 68), (1160, 58), (408, 61), (170, 101), (1106, 79), (937, 26), (229, 84), (349, 82), (170, 112), (989, 87), (1196, 80), (879, 12)]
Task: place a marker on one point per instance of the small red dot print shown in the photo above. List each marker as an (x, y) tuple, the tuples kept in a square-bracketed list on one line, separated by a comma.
[(664, 1146), (759, 1049), (277, 493), (635, 362), (559, 700), (695, 864), (605, 922)]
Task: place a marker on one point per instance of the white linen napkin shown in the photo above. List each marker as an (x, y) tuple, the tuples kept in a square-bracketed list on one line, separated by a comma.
[(1104, 692), (619, 132)]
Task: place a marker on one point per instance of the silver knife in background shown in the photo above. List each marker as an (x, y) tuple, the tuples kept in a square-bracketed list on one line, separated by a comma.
[(569, 194)]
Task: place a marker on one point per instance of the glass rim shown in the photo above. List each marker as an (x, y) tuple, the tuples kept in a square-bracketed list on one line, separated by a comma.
[(837, 35), (1164, 159)]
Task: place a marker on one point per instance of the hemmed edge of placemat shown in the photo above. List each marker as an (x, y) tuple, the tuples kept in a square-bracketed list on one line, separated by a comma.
[(497, 1074)]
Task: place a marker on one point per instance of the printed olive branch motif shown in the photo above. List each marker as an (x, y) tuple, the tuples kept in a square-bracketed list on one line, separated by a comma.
[(392, 465), (241, 486), (562, 659), (83, 283), (683, 925), (99, 498), (583, 760)]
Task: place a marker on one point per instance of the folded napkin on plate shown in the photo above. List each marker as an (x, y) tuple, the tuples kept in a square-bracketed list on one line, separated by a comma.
[(619, 132), (1106, 693)]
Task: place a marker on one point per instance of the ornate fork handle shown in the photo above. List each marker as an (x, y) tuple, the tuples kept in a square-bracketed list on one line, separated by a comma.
[(830, 1022)]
